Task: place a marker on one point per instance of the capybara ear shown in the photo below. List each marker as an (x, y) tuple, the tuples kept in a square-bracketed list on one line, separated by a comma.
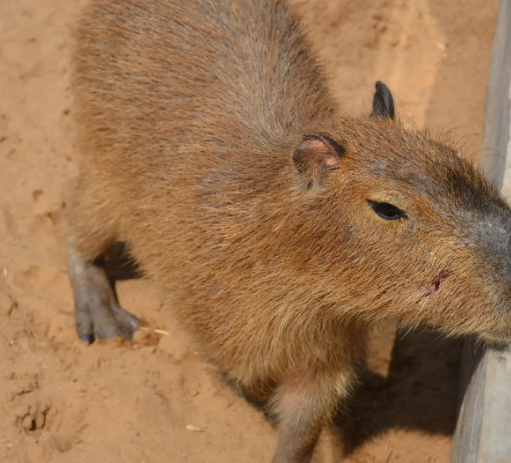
[(316, 156), (383, 103)]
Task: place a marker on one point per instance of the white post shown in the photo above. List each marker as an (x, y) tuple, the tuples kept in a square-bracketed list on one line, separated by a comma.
[(483, 429)]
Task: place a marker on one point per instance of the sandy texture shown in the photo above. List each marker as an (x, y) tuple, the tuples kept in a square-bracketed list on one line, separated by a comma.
[(154, 400)]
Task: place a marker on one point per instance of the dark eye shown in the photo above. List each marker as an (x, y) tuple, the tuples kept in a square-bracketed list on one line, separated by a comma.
[(387, 211)]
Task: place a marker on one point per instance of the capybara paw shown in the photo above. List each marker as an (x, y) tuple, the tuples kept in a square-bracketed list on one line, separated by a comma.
[(104, 320)]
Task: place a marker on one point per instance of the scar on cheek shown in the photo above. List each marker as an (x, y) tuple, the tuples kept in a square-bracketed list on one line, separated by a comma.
[(434, 285)]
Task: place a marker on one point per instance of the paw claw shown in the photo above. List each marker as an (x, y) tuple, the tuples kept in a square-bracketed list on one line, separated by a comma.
[(88, 338)]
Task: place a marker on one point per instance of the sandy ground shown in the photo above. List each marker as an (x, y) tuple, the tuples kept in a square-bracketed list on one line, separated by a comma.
[(154, 400)]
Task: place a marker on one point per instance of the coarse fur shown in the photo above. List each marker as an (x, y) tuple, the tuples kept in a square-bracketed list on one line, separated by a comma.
[(213, 148)]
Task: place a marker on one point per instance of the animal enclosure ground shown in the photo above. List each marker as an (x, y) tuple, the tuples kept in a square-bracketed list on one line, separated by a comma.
[(155, 400)]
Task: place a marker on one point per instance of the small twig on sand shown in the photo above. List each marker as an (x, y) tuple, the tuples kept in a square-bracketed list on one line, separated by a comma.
[(155, 330)]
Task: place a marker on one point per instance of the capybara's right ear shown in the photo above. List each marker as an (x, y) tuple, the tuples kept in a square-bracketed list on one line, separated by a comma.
[(316, 156), (383, 103)]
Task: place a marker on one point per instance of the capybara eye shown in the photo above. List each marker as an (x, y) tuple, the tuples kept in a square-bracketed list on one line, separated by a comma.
[(387, 211)]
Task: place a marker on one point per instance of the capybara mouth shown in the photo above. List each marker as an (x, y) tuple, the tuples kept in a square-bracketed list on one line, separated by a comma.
[(434, 285)]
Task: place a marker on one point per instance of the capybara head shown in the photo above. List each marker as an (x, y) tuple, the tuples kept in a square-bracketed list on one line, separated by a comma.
[(401, 226)]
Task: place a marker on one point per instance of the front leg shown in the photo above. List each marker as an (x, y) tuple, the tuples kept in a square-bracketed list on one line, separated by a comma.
[(97, 310), (303, 406)]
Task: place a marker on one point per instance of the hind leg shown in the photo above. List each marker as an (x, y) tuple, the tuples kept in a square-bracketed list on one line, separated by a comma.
[(90, 232)]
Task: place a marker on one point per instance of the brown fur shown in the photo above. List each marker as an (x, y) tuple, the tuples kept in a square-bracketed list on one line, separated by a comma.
[(189, 114)]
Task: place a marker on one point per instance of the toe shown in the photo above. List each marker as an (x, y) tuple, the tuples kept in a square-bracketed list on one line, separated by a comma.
[(86, 337)]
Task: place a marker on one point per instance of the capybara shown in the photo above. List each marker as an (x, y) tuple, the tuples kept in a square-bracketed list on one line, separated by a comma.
[(277, 228)]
